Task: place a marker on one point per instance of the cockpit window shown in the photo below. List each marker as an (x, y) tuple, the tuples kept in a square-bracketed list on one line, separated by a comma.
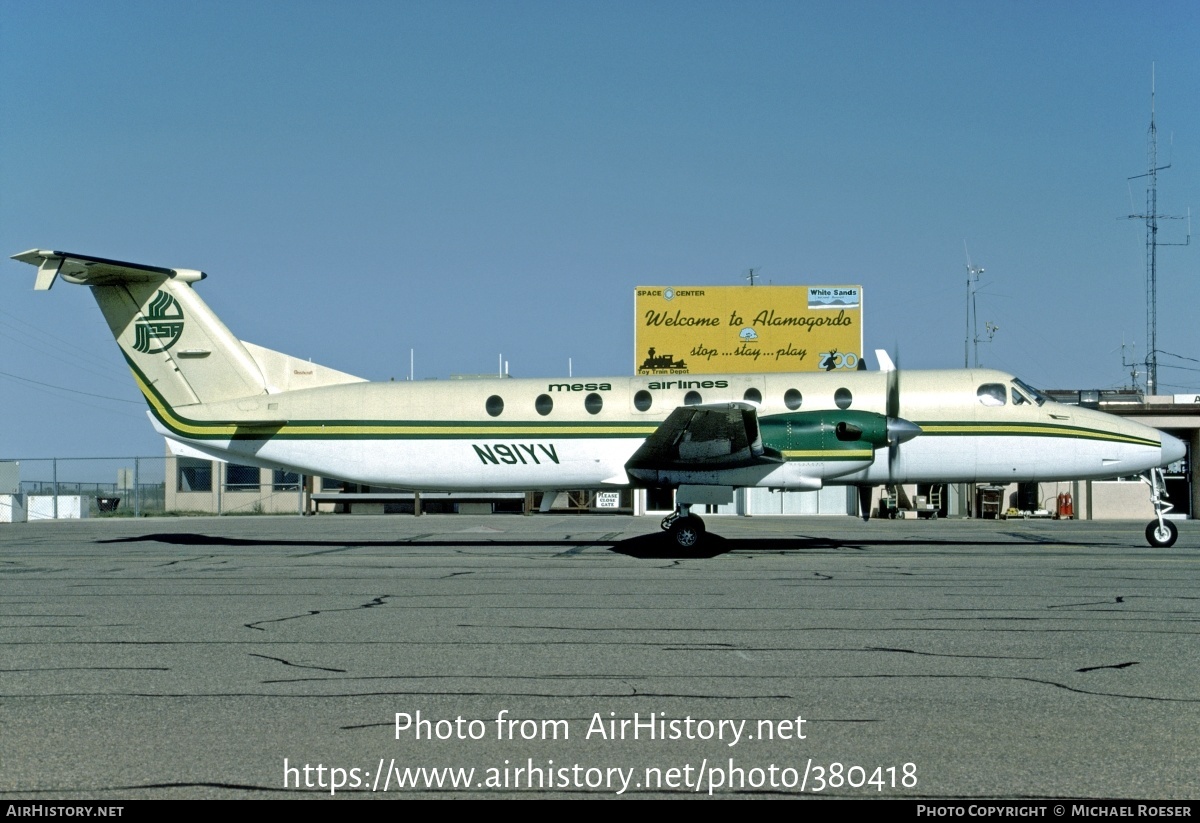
[(1018, 398), (992, 394), (1031, 394)]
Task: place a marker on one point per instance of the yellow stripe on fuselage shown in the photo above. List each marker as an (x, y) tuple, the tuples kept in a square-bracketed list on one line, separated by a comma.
[(827, 454), (1032, 429)]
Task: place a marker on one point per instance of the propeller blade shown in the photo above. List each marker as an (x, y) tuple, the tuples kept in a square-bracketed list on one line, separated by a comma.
[(864, 502), (893, 414), (893, 392)]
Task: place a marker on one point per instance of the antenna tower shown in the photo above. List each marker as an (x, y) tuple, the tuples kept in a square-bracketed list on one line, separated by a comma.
[(1151, 218)]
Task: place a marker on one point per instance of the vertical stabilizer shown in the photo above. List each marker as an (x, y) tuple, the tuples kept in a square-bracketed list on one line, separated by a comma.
[(173, 342)]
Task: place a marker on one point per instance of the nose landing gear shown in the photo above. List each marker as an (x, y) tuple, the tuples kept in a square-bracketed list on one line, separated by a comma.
[(1160, 533)]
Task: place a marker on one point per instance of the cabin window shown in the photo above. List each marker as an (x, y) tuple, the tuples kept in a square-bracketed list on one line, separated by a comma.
[(992, 394), (494, 405), (282, 481), (195, 475), (642, 400), (544, 404), (752, 396), (843, 398), (792, 399), (593, 403), (692, 398), (241, 478)]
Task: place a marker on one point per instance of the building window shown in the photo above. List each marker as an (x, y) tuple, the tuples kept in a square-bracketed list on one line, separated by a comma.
[(241, 478), (329, 484), (285, 481), (193, 474)]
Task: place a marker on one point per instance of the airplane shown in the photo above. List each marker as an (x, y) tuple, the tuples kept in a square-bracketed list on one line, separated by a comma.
[(215, 396)]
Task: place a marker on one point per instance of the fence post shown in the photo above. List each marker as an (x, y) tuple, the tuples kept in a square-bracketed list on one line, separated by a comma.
[(54, 469), (137, 487)]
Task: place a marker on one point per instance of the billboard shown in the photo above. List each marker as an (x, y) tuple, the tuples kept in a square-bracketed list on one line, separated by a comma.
[(740, 329)]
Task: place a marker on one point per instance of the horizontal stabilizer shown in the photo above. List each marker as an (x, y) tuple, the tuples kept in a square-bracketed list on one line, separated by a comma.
[(96, 271)]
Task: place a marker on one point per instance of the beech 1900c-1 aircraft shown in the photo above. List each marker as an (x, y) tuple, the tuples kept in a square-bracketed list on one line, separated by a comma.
[(215, 396)]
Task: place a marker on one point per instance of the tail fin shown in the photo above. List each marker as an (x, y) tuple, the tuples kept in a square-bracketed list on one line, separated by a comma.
[(171, 339)]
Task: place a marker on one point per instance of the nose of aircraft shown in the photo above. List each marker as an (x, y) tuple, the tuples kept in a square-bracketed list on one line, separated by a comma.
[(1172, 449)]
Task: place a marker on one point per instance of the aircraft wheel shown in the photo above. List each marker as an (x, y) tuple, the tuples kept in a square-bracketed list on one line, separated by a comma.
[(687, 532), (1162, 537)]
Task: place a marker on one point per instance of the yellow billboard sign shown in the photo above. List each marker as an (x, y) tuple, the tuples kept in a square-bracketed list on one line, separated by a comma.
[(740, 329)]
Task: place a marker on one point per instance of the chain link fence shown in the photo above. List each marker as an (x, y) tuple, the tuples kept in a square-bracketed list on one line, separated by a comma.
[(71, 487), (93, 486)]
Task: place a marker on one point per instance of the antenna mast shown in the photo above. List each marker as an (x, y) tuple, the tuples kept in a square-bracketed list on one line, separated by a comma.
[(972, 333), (1151, 218)]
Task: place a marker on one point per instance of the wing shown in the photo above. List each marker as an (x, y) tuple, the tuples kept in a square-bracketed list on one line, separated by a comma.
[(709, 438)]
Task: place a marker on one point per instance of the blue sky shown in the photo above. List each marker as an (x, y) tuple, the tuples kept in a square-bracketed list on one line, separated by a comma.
[(477, 179)]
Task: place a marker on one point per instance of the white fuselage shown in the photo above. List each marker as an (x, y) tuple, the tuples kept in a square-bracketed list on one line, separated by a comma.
[(579, 433)]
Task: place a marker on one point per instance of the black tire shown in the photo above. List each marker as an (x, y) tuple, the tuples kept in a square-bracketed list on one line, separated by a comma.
[(687, 532), (1163, 538)]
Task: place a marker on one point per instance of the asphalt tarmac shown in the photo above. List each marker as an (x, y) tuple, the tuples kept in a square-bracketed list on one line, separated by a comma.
[(579, 656)]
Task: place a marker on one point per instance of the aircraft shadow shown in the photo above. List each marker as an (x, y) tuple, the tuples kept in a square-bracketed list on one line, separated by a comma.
[(651, 546)]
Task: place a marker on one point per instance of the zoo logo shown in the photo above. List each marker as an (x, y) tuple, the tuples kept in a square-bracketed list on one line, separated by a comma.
[(831, 360), (162, 326)]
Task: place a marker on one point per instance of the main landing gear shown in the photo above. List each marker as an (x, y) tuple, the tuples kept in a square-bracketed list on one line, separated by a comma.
[(685, 528), (1160, 533)]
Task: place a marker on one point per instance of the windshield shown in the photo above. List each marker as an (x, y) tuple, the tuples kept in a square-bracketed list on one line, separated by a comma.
[(1032, 393)]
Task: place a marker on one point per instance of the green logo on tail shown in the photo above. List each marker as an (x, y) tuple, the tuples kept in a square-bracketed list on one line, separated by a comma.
[(162, 326)]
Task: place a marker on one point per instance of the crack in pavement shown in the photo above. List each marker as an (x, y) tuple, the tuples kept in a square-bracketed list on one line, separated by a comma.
[(257, 625)]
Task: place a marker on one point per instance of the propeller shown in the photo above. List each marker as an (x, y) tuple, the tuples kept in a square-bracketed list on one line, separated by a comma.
[(899, 430)]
